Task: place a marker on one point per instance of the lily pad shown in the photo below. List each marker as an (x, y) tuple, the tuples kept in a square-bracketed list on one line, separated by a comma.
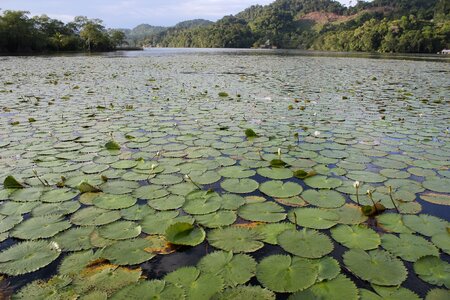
[(152, 289), (185, 234), (377, 266), (262, 212), (217, 219), (408, 246), (28, 257), (110, 201), (315, 218), (279, 189), (283, 273), (442, 240), (323, 198), (439, 185), (74, 239), (40, 227), (234, 269), (339, 288), (94, 216), (197, 286), (357, 236), (239, 186), (275, 173), (305, 243), (426, 224), (128, 252), (323, 182), (245, 292), (120, 230), (433, 270), (235, 239)]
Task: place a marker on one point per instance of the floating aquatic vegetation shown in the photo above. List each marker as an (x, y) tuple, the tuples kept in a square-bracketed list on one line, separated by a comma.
[(180, 167)]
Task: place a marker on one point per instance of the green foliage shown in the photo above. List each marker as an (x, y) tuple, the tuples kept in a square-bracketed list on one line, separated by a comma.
[(11, 183)]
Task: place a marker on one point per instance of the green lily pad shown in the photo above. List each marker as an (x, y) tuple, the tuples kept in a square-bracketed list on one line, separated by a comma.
[(7, 223), (120, 230), (408, 246), (339, 288), (377, 266), (439, 185), (305, 243), (94, 216), (262, 212), (315, 218), (234, 269), (275, 173), (136, 212), (279, 189), (197, 286), (124, 164), (112, 145), (350, 214), (28, 257), (245, 292), (74, 239), (328, 268), (323, 182), (357, 236), (239, 186), (323, 198), (283, 273), (167, 203), (11, 183), (128, 252), (27, 194), (236, 172), (271, 231), (442, 240), (151, 289), (40, 227), (235, 239), (391, 222), (426, 224), (441, 199), (438, 294), (185, 234), (157, 223), (149, 192), (61, 209), (217, 219), (201, 203), (208, 177), (110, 201), (433, 270)]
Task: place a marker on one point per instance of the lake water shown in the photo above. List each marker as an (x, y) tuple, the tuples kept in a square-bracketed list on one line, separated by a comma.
[(180, 117)]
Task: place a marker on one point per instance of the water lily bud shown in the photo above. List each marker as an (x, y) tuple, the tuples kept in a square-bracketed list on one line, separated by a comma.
[(316, 133), (186, 177), (158, 153), (356, 184), (153, 166), (279, 151)]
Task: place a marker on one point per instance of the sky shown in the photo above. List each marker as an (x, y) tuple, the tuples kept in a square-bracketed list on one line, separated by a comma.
[(129, 13)]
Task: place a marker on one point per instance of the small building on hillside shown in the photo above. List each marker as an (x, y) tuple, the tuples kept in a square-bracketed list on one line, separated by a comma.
[(445, 51)]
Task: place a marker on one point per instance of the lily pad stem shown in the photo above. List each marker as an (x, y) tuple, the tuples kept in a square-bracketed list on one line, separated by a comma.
[(392, 199)]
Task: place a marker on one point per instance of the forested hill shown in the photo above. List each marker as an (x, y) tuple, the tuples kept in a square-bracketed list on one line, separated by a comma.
[(380, 25)]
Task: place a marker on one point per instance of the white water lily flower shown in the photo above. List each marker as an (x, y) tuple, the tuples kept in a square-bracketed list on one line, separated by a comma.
[(316, 133), (356, 184), (186, 177), (279, 151)]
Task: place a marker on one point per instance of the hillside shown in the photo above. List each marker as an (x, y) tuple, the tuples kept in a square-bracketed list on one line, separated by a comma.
[(380, 25)]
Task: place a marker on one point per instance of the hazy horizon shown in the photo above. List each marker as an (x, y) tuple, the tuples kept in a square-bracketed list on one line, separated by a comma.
[(130, 13)]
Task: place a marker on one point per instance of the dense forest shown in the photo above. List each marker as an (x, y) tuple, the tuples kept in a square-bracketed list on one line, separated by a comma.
[(381, 25), (19, 33)]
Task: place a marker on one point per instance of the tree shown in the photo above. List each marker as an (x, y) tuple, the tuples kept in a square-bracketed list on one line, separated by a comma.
[(117, 37)]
